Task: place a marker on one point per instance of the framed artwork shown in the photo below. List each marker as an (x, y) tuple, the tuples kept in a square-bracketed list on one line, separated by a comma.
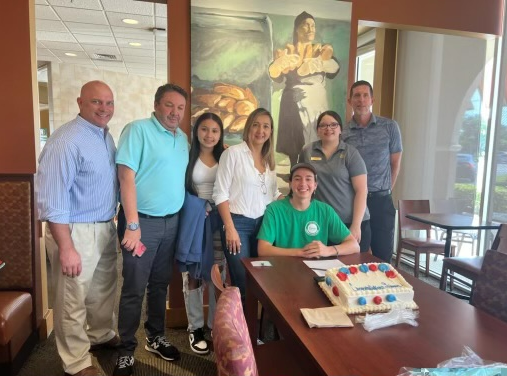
[(290, 57)]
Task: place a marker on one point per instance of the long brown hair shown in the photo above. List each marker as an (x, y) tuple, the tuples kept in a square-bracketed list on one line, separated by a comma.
[(267, 152)]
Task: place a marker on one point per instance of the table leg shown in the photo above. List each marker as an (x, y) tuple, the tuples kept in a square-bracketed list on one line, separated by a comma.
[(447, 247), (251, 311)]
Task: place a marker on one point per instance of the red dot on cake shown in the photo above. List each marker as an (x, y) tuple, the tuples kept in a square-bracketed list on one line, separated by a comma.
[(390, 274), (377, 300), (335, 291), (342, 276), (373, 267)]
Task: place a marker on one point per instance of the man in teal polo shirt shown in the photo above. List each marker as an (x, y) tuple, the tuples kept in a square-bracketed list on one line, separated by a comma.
[(152, 158), (303, 227)]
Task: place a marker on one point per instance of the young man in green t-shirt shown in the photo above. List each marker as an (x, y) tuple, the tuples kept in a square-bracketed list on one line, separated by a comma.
[(300, 226)]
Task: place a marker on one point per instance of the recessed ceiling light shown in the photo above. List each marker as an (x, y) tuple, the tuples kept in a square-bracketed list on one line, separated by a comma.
[(130, 21), (135, 44), (70, 54)]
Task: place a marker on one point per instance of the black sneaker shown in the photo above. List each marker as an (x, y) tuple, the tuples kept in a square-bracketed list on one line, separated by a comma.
[(124, 366), (197, 342), (161, 346)]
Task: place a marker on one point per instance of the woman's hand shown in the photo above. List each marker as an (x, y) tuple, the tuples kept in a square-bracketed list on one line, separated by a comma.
[(232, 240), (355, 231)]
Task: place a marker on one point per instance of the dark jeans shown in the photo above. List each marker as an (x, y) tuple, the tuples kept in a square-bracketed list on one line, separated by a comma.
[(382, 216), (247, 229), (151, 272), (364, 244)]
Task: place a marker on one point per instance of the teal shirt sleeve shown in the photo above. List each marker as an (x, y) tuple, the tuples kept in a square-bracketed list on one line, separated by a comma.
[(130, 147)]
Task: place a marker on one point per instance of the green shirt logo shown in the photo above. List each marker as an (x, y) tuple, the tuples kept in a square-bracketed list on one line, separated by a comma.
[(312, 228)]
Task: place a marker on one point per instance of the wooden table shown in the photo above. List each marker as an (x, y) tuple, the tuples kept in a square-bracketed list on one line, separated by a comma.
[(445, 325), (450, 222)]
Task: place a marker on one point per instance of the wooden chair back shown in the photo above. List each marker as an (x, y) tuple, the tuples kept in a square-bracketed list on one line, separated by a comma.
[(412, 206), (216, 278)]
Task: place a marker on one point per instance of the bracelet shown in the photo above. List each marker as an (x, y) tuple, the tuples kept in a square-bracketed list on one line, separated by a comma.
[(336, 249)]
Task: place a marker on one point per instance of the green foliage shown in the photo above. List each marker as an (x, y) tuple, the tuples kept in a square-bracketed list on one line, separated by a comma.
[(467, 193), (469, 135)]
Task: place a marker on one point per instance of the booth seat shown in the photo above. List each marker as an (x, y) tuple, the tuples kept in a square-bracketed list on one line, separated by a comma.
[(20, 290)]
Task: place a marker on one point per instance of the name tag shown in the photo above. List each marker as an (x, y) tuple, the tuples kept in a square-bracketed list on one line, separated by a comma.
[(316, 158)]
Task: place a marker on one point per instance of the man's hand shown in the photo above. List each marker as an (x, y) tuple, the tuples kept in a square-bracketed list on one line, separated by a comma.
[(130, 239), (315, 249), (70, 262)]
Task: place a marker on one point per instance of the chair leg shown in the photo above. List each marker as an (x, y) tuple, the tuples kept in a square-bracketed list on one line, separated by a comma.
[(428, 255), (261, 322), (460, 244), (443, 279), (398, 255), (451, 280), (416, 264)]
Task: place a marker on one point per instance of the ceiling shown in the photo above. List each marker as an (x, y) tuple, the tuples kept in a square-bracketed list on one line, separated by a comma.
[(87, 28)]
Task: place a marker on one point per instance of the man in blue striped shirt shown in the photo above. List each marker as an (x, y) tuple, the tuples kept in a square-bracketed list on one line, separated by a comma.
[(77, 192)]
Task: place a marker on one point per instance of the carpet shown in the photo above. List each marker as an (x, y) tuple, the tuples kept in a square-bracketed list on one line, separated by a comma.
[(44, 359)]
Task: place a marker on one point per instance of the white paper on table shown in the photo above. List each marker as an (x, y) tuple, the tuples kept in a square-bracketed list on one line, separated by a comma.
[(261, 263), (320, 266), (327, 317)]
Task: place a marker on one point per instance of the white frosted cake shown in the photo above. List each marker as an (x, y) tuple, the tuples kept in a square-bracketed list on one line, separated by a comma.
[(373, 287)]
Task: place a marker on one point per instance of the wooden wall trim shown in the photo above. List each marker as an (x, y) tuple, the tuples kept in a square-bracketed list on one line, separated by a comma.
[(178, 38)]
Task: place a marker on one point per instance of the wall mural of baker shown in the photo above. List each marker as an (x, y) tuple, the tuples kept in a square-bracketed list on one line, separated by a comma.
[(290, 57)]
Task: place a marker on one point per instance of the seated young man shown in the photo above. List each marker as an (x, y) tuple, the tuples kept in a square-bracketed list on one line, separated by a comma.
[(302, 227)]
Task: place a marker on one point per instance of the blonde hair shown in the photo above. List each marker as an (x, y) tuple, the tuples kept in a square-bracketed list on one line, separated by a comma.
[(268, 151)]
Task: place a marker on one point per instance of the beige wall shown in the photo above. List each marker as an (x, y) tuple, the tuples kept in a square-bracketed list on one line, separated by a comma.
[(133, 94)]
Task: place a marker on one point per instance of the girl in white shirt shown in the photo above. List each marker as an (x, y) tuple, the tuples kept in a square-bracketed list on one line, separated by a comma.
[(245, 185), (205, 151)]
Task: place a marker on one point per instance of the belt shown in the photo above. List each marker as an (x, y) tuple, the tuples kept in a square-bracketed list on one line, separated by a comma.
[(385, 192), (142, 215), (109, 220)]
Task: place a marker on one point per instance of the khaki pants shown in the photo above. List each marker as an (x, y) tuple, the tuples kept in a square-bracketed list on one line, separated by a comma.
[(83, 306)]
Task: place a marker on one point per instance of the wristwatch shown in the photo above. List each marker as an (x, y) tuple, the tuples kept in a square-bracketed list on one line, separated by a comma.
[(133, 226)]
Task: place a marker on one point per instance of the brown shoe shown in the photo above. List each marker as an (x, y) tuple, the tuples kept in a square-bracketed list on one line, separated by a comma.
[(88, 371), (113, 343)]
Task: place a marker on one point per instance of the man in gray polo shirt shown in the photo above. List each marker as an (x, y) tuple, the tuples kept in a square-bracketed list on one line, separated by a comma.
[(378, 140)]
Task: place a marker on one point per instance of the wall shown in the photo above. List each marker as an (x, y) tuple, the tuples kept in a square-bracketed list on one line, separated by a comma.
[(478, 18), (16, 105), (133, 95), (431, 97)]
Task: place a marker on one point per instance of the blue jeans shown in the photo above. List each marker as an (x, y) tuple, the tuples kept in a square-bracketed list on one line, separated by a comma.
[(247, 229)]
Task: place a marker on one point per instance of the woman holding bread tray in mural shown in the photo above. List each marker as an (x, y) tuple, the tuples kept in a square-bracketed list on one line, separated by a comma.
[(245, 185), (305, 66)]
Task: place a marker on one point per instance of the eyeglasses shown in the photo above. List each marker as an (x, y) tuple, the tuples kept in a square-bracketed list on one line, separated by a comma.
[(330, 125), (264, 189)]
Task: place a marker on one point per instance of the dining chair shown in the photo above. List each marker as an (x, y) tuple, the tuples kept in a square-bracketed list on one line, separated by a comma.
[(221, 285), (233, 349), (426, 245), (218, 282), (466, 270), (490, 293)]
